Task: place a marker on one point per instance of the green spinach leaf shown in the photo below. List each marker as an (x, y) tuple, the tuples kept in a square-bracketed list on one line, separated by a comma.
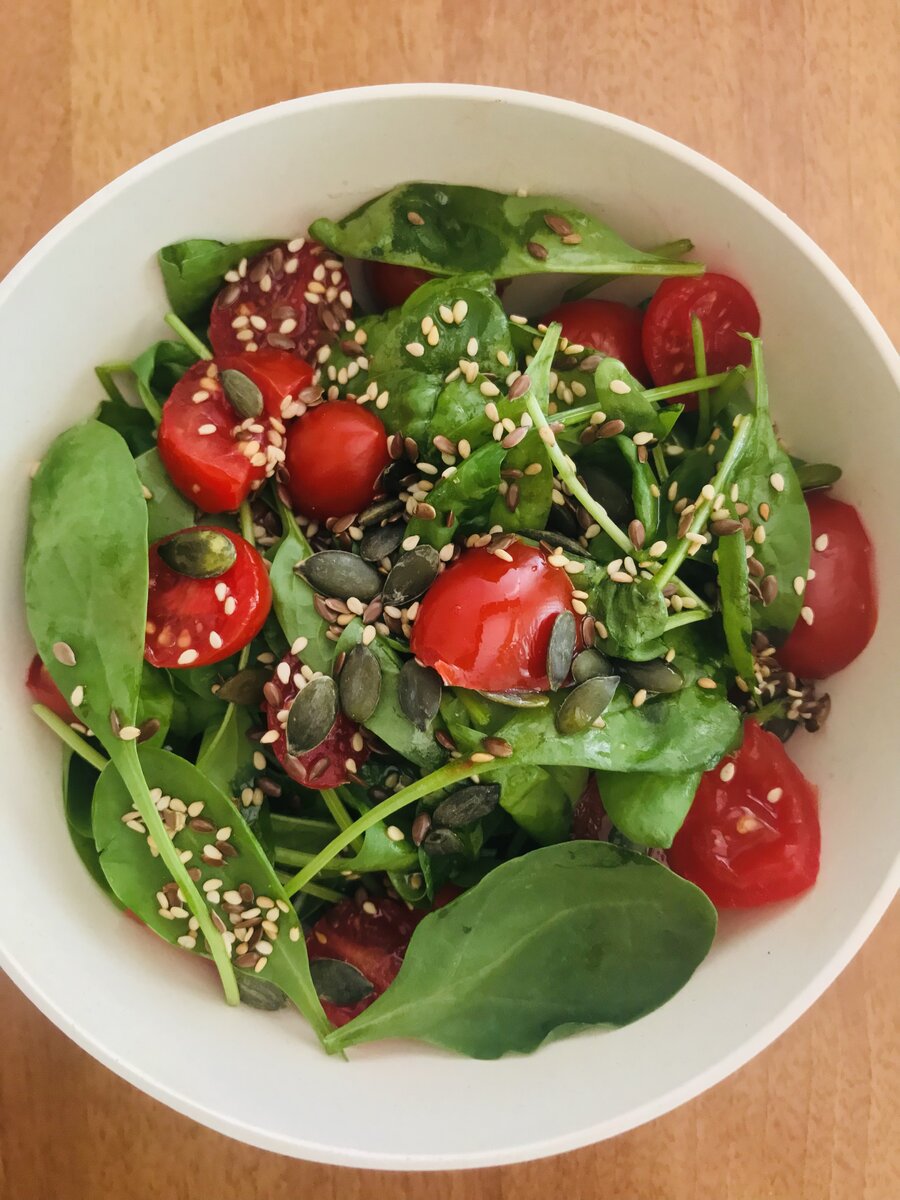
[(79, 781), (292, 599), (539, 801), (647, 808), (158, 369), (133, 424), (167, 509), (467, 496), (735, 600), (193, 270)]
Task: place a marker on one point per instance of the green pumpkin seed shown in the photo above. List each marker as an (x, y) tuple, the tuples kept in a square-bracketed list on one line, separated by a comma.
[(553, 538), (359, 684), (199, 553), (260, 993), (589, 664), (378, 512), (442, 841), (246, 398), (518, 699), (382, 542), (585, 703), (560, 649), (412, 574), (312, 715), (340, 574), (467, 806), (245, 688), (339, 982), (419, 691), (656, 676)]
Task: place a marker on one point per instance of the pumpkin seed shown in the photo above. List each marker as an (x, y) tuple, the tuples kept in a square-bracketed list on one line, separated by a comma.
[(260, 993), (656, 676), (339, 982), (359, 684), (467, 806), (246, 398), (245, 687), (382, 542), (378, 511), (518, 699), (585, 703), (442, 841), (312, 715), (340, 573), (199, 553), (589, 664), (560, 649), (552, 538), (419, 691), (412, 574)]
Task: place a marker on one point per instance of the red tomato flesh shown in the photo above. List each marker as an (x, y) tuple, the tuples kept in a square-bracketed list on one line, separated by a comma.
[(213, 618), (841, 598), (485, 623), (335, 455), (275, 289), (281, 377), (726, 310), (752, 838), (605, 325), (325, 766), (392, 284), (44, 691)]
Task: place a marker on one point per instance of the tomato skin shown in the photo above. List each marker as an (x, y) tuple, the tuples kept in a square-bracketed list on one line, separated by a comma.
[(392, 284), (278, 375), (736, 844), (485, 623), (284, 300), (182, 612), (842, 595), (726, 310), (334, 752), (44, 691), (335, 455), (208, 469), (605, 325)]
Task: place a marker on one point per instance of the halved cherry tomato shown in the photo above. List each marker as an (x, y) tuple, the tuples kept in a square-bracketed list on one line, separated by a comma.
[(44, 691), (325, 766), (335, 455), (485, 623), (726, 310), (841, 600), (278, 375), (589, 820), (607, 326), (209, 457), (374, 943), (752, 837), (392, 284), (276, 288), (193, 622)]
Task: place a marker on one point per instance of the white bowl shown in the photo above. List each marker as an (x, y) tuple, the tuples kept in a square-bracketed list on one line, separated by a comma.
[(90, 292)]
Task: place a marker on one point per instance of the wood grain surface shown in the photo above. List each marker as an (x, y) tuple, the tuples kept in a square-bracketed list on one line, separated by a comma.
[(801, 99)]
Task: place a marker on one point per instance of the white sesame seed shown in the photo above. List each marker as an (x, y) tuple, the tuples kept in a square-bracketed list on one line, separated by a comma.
[(774, 795), (799, 585), (427, 324), (639, 697), (77, 696), (657, 549), (488, 388), (294, 934), (410, 543), (642, 438), (416, 349), (706, 683), (215, 640), (759, 534), (807, 614), (547, 435), (368, 635), (186, 657), (128, 733), (207, 429), (229, 606), (460, 309), (619, 386), (221, 591), (727, 772), (821, 542), (63, 653), (777, 482), (283, 671), (223, 834), (446, 314)]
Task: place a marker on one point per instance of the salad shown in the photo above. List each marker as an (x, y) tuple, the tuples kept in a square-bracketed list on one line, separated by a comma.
[(427, 665)]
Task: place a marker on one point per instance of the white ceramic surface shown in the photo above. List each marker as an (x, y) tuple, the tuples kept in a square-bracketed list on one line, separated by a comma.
[(90, 292)]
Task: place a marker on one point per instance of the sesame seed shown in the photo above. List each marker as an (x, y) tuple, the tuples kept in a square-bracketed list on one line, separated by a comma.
[(368, 635), (77, 696), (619, 386), (547, 435), (775, 795), (746, 824), (446, 314), (657, 549), (727, 772), (489, 389), (229, 606), (369, 908), (472, 347), (821, 542), (799, 585), (642, 438), (63, 653), (215, 640), (706, 683), (434, 336), (410, 543), (187, 657), (481, 757), (759, 535), (777, 482), (207, 429), (221, 591), (534, 469), (639, 697), (395, 833), (416, 349), (460, 310), (129, 733), (807, 614)]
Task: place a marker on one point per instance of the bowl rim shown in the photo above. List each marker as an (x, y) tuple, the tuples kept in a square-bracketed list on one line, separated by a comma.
[(750, 1046)]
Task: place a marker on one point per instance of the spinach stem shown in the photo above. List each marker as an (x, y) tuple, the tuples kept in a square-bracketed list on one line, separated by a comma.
[(667, 250), (671, 391), (245, 516), (476, 708), (298, 858), (703, 423), (105, 373), (342, 818), (687, 616), (659, 461), (323, 893), (68, 735), (445, 776), (187, 336)]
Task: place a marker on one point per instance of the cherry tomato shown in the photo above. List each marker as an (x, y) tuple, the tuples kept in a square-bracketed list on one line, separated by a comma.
[(726, 310), (275, 288), (325, 766), (281, 377), (193, 622), (607, 326), (392, 284), (841, 598), (199, 443), (44, 691), (485, 623), (753, 837), (335, 455), (589, 820)]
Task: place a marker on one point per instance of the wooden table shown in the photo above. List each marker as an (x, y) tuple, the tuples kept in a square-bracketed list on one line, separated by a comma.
[(801, 100)]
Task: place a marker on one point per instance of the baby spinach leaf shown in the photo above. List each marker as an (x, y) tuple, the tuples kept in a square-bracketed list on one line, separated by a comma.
[(79, 781), (156, 702), (159, 368), (467, 494), (638, 413), (647, 808), (539, 801), (133, 424), (474, 229), (342, 373), (292, 598), (815, 475), (136, 876), (735, 601), (561, 939), (635, 615), (381, 853), (193, 270), (167, 509), (225, 756), (643, 481)]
